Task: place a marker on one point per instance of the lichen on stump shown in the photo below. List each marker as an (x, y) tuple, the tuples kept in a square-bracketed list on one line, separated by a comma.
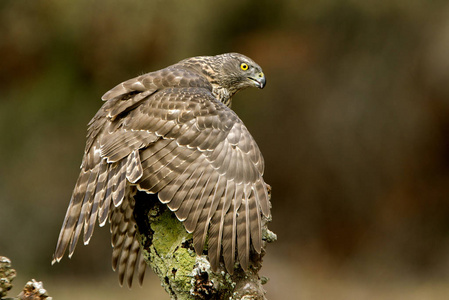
[(168, 250)]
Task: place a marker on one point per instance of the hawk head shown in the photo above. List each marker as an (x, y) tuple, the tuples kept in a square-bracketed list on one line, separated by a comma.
[(236, 72), (228, 73)]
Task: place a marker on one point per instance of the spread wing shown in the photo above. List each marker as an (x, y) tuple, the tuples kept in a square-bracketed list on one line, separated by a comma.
[(205, 166), (186, 146)]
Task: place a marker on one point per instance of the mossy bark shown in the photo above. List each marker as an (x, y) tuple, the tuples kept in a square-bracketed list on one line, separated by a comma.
[(185, 275)]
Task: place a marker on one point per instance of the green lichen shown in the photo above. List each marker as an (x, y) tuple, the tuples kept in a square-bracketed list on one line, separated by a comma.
[(183, 261), (169, 258), (168, 234)]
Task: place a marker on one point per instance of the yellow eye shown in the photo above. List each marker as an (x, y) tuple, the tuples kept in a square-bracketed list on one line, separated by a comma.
[(243, 66)]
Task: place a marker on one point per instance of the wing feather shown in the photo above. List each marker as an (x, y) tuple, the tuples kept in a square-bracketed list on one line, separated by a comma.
[(118, 190), (202, 214), (188, 164), (98, 198), (126, 251), (262, 196), (71, 217), (216, 227), (208, 211), (165, 173), (255, 219), (218, 155), (226, 223), (185, 182), (194, 194), (134, 169), (105, 205), (229, 234), (85, 207), (141, 267), (243, 233), (192, 219)]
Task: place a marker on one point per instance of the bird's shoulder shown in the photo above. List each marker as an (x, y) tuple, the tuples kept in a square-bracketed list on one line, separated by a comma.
[(177, 75), (175, 95), (130, 94)]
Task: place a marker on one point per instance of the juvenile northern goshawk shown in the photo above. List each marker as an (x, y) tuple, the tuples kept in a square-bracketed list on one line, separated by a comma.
[(171, 133)]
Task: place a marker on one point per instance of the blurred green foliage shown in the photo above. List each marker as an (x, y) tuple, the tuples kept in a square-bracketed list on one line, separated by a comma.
[(353, 124)]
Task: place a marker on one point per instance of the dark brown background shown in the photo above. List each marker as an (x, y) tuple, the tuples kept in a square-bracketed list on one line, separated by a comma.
[(353, 125)]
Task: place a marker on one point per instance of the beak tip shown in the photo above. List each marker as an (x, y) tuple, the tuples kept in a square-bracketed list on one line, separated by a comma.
[(258, 81)]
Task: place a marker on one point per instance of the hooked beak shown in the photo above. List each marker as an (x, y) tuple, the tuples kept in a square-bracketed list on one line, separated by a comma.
[(259, 80)]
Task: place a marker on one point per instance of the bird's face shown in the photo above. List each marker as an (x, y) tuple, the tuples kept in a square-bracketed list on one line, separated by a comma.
[(241, 72)]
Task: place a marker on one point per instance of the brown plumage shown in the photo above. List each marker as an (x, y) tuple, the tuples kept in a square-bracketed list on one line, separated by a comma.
[(171, 133)]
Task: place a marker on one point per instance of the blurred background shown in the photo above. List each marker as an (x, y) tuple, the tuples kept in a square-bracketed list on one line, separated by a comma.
[(353, 125)]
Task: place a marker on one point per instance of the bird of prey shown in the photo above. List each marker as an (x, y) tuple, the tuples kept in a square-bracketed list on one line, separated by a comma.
[(172, 133)]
